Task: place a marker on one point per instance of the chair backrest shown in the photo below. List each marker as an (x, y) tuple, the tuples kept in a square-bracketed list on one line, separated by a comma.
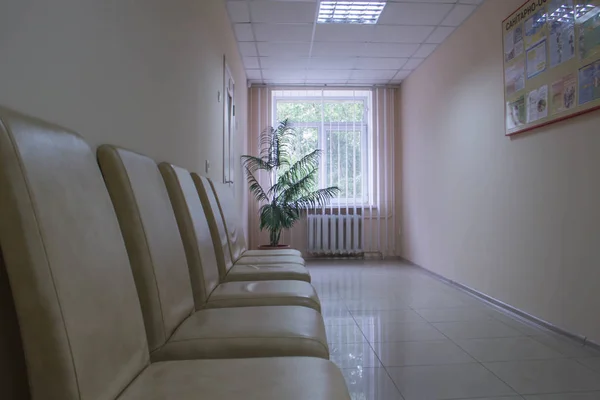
[(197, 239), (215, 223), (153, 242), (75, 298), (231, 218), (13, 373)]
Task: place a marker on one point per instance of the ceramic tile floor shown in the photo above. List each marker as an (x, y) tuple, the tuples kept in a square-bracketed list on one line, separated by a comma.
[(398, 333)]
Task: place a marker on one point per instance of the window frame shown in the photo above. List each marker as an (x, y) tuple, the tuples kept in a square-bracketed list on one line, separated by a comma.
[(366, 148)]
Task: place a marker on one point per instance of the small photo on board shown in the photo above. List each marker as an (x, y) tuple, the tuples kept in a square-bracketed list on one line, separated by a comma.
[(562, 43), (513, 43), (537, 104), (514, 77), (564, 92), (589, 33), (587, 84), (536, 59), (536, 28), (515, 113)]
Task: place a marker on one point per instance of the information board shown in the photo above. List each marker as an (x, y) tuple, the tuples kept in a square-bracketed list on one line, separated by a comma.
[(551, 62)]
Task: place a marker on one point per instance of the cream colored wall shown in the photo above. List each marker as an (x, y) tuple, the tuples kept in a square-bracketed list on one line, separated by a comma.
[(516, 219), (139, 74)]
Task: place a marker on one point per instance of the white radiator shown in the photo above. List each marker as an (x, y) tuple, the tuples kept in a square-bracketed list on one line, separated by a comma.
[(335, 234)]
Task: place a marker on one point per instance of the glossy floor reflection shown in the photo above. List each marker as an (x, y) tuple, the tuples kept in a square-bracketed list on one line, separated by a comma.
[(398, 333)]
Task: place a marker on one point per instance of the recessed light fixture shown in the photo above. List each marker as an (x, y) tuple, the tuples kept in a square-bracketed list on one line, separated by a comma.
[(350, 12), (582, 9)]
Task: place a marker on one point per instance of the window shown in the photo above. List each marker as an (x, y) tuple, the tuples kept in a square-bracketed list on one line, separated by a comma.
[(335, 121)]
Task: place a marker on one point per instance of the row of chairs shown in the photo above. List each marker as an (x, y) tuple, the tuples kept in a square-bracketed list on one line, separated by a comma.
[(130, 279)]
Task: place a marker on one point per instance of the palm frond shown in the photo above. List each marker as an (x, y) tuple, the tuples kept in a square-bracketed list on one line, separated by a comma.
[(275, 144), (253, 164), (276, 217), (303, 166), (289, 191), (255, 188), (318, 198)]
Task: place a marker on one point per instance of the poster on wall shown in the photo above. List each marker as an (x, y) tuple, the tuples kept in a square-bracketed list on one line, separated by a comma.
[(589, 83), (513, 43), (551, 62), (561, 18), (516, 113), (536, 59), (589, 31), (535, 28), (515, 77), (564, 92), (537, 104)]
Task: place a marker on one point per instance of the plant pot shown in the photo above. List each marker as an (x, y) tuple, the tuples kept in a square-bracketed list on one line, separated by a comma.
[(269, 247)]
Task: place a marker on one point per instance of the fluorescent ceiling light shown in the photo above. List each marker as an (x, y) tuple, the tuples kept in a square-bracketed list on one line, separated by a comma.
[(582, 10), (350, 12)]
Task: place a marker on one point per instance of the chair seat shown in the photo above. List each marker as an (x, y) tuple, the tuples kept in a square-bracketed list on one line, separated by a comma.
[(268, 272), (272, 253), (267, 260), (264, 293), (292, 378), (248, 332)]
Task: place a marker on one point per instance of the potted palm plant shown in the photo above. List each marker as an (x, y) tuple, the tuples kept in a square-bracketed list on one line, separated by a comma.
[(292, 185)]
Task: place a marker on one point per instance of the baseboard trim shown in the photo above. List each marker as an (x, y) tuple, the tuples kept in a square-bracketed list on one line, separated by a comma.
[(515, 312)]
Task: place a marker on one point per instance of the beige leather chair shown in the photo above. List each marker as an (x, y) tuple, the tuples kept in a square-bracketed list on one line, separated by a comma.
[(250, 268), (162, 278), (235, 234), (79, 314), (202, 261), (13, 373)]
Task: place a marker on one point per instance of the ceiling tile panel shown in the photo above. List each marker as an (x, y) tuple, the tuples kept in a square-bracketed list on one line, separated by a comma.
[(341, 49), (253, 74), (401, 33), (374, 74), (284, 74), (344, 33), (400, 50), (333, 62), (243, 32), (326, 81), (413, 63), (368, 82), (283, 11), (425, 50), (440, 34), (277, 62), (401, 75), (380, 63), (251, 63), (283, 32), (283, 49), (414, 13), (458, 15), (248, 49), (328, 74)]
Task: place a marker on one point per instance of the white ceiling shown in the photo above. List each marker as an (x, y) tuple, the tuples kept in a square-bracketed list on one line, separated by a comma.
[(281, 43)]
